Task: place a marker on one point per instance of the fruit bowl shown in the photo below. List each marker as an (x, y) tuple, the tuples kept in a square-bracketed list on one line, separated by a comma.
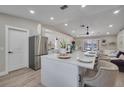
[(64, 56)]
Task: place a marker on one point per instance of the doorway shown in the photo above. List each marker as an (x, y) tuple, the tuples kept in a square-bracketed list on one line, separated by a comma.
[(16, 48)]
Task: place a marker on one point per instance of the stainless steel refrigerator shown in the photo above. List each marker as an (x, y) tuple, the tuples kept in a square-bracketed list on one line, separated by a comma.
[(37, 48)]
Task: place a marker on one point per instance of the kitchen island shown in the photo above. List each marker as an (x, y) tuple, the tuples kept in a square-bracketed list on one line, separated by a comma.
[(57, 72)]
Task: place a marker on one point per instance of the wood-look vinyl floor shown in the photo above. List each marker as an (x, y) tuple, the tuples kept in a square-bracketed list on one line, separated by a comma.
[(22, 78), (27, 77), (120, 80)]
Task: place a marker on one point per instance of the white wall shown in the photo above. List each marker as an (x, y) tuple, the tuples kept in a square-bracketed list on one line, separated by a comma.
[(109, 39), (52, 35), (17, 22), (120, 40)]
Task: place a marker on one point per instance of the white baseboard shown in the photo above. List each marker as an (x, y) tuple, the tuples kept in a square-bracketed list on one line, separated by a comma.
[(3, 73)]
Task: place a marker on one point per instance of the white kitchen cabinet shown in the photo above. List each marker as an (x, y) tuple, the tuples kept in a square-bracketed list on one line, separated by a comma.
[(57, 72)]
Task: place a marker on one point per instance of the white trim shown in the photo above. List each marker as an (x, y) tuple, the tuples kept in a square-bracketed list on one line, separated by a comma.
[(7, 27), (3, 73)]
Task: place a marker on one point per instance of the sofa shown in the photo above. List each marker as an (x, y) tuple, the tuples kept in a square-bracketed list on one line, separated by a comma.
[(119, 61), (114, 56)]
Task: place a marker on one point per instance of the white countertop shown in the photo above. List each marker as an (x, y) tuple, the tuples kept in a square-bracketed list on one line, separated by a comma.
[(73, 59)]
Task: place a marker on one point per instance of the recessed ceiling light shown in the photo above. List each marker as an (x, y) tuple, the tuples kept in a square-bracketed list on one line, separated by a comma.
[(83, 6), (32, 11), (73, 31), (92, 32), (51, 18), (116, 12), (110, 26), (66, 24), (107, 33)]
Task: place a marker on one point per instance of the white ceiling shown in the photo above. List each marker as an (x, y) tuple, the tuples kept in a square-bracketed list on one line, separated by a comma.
[(97, 17)]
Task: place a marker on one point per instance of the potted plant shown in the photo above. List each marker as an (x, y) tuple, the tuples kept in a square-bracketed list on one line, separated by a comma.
[(73, 45), (63, 47)]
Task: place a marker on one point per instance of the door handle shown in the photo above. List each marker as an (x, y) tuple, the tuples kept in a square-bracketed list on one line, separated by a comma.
[(10, 52)]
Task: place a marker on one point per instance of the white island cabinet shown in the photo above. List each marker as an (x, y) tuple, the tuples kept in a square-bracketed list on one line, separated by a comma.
[(57, 72)]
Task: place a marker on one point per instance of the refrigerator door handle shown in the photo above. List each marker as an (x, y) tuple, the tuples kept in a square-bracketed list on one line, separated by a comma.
[(39, 46)]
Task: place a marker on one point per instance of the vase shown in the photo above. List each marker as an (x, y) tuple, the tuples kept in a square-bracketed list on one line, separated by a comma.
[(62, 50)]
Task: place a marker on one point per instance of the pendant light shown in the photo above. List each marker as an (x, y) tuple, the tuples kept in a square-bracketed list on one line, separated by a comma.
[(87, 30), (87, 27)]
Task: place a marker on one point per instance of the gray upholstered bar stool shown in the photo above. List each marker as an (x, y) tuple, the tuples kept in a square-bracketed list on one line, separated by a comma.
[(105, 76)]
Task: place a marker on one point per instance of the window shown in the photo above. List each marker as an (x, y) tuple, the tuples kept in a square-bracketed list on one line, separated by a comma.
[(90, 45)]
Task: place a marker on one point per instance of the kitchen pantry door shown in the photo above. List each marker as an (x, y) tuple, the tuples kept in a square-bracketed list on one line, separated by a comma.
[(17, 49)]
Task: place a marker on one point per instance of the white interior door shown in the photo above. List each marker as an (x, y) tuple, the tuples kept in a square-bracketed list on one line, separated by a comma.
[(17, 49)]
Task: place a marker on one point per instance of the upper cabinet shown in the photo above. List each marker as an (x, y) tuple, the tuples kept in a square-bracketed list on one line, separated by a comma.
[(120, 40)]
